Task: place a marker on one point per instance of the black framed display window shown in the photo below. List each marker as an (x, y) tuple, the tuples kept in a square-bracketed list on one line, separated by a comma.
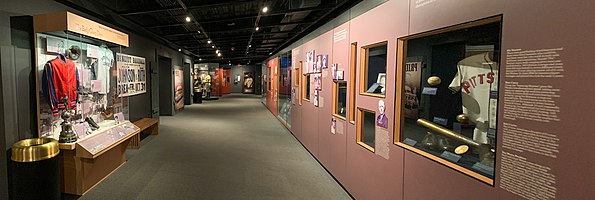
[(449, 95), (373, 69)]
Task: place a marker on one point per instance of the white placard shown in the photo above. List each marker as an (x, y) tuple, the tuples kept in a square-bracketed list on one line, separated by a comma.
[(55, 45), (132, 75), (92, 51)]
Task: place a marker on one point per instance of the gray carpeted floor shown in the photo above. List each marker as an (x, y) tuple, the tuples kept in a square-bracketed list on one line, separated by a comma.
[(232, 148)]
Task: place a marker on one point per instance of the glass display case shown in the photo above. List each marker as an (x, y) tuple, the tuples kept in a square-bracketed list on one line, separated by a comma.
[(94, 145), (76, 81), (82, 95), (449, 95)]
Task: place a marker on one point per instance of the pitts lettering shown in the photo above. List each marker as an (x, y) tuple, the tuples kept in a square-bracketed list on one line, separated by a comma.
[(479, 79)]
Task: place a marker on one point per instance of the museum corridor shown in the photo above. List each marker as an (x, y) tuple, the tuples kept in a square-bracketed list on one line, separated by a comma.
[(231, 148)]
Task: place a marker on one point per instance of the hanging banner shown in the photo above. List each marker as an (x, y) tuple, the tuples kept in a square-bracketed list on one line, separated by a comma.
[(132, 77)]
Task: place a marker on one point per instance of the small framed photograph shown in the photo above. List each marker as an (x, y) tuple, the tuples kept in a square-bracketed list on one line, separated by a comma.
[(340, 75), (316, 94), (324, 61), (334, 71), (317, 82), (381, 79), (119, 118)]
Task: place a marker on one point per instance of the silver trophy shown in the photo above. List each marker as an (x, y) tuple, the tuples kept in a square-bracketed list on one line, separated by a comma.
[(67, 135)]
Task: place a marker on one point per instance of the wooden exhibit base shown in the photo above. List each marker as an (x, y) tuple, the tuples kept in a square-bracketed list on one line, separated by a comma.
[(149, 125), (80, 174), (88, 161)]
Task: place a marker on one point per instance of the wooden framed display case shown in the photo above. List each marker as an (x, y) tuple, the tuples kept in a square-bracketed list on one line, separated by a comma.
[(79, 98), (373, 68), (446, 109)]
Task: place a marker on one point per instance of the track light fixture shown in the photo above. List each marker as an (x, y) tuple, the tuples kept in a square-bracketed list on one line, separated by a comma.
[(187, 19)]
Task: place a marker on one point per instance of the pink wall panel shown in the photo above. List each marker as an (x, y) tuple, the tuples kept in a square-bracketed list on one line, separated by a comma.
[(372, 176), (406, 175), (554, 24), (442, 13), (426, 179), (310, 113), (296, 111), (331, 148)]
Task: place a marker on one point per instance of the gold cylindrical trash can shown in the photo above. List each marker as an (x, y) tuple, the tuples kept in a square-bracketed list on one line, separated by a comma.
[(36, 169)]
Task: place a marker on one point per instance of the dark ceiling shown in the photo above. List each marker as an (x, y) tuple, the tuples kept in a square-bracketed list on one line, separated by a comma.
[(229, 25)]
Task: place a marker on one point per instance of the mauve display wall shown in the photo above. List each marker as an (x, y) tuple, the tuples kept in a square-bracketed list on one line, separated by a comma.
[(560, 27), (272, 91)]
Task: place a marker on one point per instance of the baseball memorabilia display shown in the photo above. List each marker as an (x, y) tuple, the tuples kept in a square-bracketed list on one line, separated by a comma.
[(450, 95)]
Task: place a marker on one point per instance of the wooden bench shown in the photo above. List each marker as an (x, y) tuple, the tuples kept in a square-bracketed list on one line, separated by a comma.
[(148, 125)]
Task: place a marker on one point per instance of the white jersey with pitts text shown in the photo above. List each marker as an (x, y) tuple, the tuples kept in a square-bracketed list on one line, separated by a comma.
[(476, 77)]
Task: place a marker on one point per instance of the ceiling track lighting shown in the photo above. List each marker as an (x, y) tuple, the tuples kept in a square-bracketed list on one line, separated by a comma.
[(188, 19), (257, 28), (265, 9), (209, 42)]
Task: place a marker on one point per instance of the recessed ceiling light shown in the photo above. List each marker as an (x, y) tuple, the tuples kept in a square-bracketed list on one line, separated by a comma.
[(257, 28), (213, 46), (187, 19), (209, 41), (265, 9), (199, 32), (200, 59), (219, 54), (179, 49)]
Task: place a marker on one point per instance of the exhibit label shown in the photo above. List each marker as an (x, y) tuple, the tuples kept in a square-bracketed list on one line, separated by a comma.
[(132, 77)]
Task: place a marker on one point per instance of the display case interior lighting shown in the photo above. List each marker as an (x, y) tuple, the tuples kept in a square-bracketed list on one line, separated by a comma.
[(265, 9), (187, 19)]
